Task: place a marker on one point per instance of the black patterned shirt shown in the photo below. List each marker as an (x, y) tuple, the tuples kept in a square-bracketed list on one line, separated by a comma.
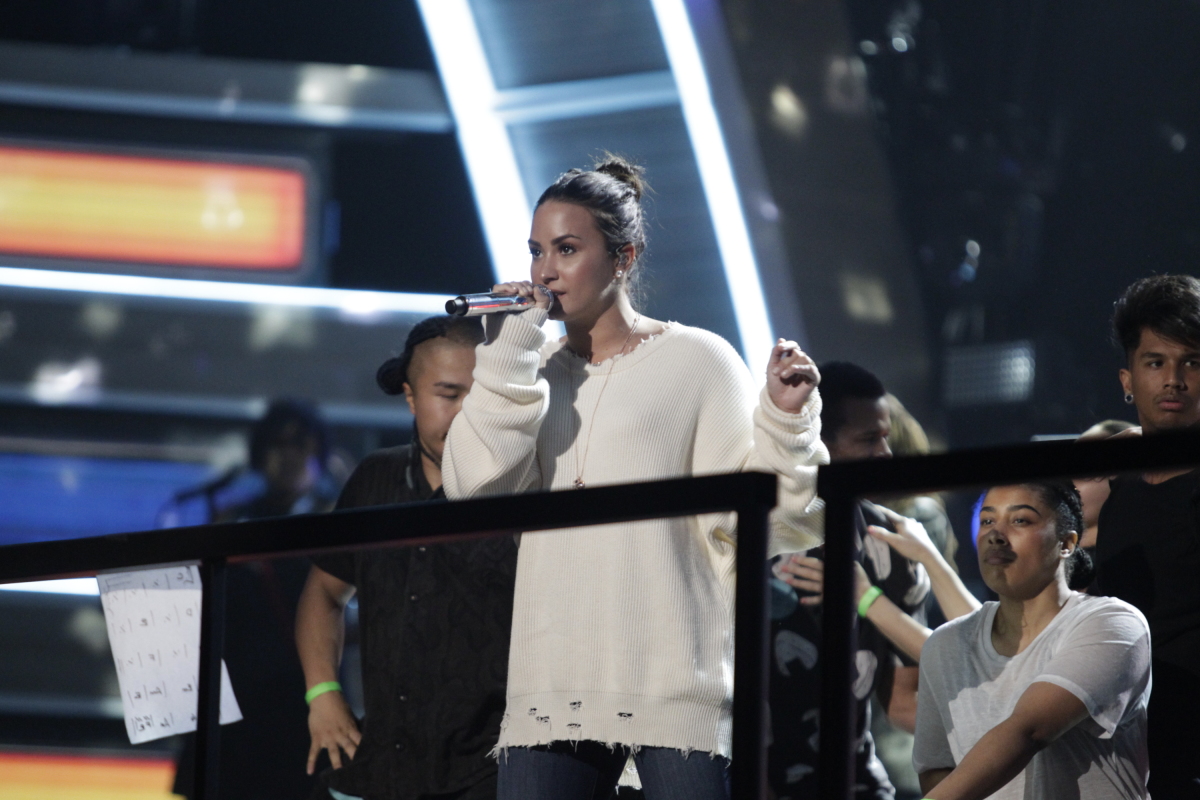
[(434, 624), (795, 688)]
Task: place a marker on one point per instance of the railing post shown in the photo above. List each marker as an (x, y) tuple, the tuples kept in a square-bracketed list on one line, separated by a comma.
[(751, 634), (835, 762), (208, 695)]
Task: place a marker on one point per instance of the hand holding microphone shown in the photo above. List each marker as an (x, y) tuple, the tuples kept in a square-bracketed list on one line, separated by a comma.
[(511, 296)]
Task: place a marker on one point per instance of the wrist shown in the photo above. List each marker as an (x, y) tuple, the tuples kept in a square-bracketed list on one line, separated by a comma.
[(868, 599), (325, 687)]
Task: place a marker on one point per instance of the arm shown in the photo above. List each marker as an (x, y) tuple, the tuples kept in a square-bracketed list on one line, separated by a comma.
[(739, 428), (787, 441), (911, 541), (492, 445), (903, 631), (902, 705), (808, 573), (931, 778), (1044, 713), (320, 633)]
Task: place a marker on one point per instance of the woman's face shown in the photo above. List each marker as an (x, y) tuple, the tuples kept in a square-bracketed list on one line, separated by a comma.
[(1019, 547), (571, 258)]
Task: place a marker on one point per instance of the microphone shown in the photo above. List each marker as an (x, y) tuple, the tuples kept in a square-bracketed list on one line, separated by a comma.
[(474, 305)]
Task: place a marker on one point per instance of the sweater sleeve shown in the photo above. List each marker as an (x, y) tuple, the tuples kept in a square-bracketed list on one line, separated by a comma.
[(492, 445), (734, 433), (790, 446)]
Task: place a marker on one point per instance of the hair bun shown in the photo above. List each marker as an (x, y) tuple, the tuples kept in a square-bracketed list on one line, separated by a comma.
[(1081, 570), (625, 171)]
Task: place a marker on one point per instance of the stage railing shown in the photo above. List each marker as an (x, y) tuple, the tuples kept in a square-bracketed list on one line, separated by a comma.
[(841, 485), (750, 495)]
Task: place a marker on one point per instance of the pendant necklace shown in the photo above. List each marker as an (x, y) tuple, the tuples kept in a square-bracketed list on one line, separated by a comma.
[(582, 462)]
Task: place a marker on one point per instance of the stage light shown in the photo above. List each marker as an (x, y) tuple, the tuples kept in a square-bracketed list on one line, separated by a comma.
[(353, 302), (82, 586), (716, 175), (482, 134)]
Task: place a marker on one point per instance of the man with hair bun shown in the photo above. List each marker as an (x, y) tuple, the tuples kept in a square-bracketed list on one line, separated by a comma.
[(434, 619), (1148, 542)]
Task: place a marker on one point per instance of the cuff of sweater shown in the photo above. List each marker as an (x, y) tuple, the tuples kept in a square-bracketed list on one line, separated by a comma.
[(806, 424), (522, 329)]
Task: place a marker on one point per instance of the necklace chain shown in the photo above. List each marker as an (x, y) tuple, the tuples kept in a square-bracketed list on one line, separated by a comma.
[(587, 442)]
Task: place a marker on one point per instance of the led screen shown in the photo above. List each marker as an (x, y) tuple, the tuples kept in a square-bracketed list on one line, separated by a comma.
[(64, 204)]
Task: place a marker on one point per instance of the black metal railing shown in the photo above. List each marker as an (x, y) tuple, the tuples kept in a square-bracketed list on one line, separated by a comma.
[(750, 495), (841, 485)]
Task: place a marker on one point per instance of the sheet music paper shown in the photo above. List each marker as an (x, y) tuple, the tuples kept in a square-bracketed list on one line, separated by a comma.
[(153, 618)]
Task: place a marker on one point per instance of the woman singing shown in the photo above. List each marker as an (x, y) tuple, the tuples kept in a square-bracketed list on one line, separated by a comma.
[(1041, 696), (623, 634)]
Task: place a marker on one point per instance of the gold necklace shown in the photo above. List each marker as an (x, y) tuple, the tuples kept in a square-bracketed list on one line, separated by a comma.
[(579, 484)]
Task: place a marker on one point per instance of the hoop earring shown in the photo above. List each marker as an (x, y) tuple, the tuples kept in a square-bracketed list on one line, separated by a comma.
[(1129, 398)]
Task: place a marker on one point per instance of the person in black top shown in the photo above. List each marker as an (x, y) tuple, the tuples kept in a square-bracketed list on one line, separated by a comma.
[(1148, 542), (855, 423), (434, 620), (289, 473)]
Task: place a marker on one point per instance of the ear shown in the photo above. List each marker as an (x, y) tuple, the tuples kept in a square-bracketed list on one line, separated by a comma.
[(1069, 543), (625, 255), (1126, 378), (409, 395)]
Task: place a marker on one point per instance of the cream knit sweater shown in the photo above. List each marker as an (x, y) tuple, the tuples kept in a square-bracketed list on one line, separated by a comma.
[(624, 633)]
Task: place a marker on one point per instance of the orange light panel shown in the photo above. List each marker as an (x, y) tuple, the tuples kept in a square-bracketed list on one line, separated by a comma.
[(59, 777), (61, 204)]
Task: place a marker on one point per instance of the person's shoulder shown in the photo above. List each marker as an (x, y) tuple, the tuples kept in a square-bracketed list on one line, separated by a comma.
[(700, 351), (377, 478), (680, 335), (959, 634), (385, 459), (1107, 612)]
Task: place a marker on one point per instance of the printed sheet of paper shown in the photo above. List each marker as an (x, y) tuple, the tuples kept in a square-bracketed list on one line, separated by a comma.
[(153, 618)]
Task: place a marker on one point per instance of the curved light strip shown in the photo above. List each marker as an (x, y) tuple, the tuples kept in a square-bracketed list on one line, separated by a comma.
[(716, 174), (350, 301), (84, 586), (482, 135)]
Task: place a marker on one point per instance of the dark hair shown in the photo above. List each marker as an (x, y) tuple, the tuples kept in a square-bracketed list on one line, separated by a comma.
[(842, 381), (466, 331), (1169, 305), (1063, 499), (612, 190), (282, 414)]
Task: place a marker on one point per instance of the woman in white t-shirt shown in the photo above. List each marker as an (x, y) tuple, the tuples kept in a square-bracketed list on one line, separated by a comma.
[(1041, 696)]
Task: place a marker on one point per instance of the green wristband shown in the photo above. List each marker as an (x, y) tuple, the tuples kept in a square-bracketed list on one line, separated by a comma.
[(320, 689), (869, 597)]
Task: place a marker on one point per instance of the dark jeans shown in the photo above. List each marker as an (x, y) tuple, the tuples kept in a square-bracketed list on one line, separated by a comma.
[(1174, 738), (590, 770)]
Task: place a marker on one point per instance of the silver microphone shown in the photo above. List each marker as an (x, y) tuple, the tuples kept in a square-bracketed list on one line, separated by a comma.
[(475, 305)]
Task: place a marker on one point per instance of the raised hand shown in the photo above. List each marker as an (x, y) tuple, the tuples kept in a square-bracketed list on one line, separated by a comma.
[(909, 540), (791, 377)]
